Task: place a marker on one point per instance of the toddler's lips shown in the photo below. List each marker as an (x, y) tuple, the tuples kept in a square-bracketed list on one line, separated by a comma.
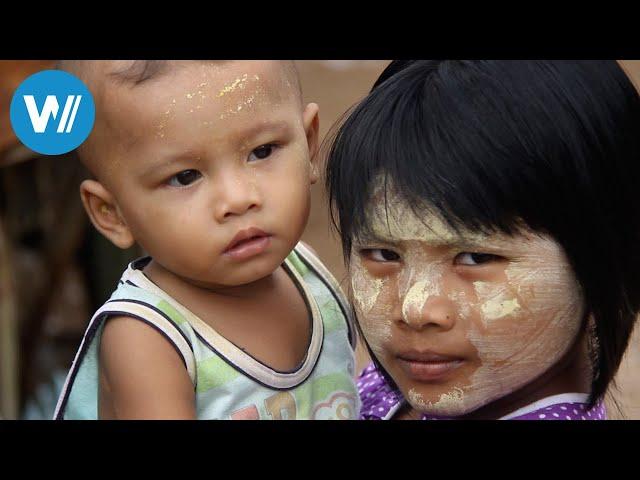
[(248, 243)]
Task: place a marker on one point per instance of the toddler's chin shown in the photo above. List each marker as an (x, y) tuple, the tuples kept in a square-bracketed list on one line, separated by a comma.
[(259, 272)]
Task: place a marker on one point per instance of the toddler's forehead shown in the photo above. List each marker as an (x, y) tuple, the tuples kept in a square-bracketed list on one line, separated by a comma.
[(226, 77), (200, 95), (190, 89)]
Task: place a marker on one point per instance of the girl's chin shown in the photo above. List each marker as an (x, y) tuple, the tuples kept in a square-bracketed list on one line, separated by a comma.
[(443, 403)]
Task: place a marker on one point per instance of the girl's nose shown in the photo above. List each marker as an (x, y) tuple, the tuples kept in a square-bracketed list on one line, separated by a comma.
[(434, 310)]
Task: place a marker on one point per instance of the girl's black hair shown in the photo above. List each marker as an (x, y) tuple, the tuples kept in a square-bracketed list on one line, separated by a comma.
[(491, 144)]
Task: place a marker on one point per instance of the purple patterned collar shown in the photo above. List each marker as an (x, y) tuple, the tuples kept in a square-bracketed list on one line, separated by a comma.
[(381, 402)]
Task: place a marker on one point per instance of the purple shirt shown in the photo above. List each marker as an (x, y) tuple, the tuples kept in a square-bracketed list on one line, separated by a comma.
[(381, 402)]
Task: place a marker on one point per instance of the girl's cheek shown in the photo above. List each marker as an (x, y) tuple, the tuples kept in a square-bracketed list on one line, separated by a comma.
[(527, 323), (365, 287), (374, 304)]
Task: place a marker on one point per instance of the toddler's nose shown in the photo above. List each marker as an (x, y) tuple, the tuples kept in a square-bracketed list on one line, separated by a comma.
[(235, 196)]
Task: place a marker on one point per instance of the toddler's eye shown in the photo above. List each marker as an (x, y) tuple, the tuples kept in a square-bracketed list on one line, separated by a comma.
[(262, 151), (184, 178), (380, 254), (468, 258)]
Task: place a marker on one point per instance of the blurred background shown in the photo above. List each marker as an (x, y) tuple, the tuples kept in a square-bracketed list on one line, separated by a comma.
[(55, 269)]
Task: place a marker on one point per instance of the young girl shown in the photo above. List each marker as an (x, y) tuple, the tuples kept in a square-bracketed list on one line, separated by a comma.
[(490, 221)]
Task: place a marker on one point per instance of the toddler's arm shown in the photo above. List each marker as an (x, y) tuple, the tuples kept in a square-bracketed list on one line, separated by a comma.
[(141, 374)]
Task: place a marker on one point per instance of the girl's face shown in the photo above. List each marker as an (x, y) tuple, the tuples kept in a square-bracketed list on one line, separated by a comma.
[(460, 320)]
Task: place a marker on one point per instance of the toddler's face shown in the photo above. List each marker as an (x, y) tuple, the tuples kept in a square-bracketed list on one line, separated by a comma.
[(459, 321), (202, 154)]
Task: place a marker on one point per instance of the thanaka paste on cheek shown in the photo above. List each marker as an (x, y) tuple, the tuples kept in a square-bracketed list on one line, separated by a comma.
[(366, 290), (498, 301), (517, 352)]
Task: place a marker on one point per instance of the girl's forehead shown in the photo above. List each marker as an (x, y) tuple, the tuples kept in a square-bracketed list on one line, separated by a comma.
[(394, 219), (391, 218)]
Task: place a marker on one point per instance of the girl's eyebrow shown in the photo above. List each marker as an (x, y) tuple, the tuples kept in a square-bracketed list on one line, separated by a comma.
[(453, 243)]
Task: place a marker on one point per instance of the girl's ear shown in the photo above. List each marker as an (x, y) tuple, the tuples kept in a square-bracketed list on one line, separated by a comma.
[(311, 122), (104, 214)]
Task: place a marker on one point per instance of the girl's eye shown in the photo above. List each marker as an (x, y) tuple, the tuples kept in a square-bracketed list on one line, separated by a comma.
[(468, 258), (380, 255), (184, 178), (262, 152)]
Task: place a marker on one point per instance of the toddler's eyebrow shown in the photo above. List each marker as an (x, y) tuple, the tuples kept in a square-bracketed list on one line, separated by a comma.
[(241, 136), (139, 71), (172, 161), (279, 126)]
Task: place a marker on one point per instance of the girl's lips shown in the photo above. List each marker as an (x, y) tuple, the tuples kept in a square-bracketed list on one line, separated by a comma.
[(428, 366)]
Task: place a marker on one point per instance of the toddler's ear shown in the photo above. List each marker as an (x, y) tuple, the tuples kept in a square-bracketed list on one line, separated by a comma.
[(104, 214), (311, 122)]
